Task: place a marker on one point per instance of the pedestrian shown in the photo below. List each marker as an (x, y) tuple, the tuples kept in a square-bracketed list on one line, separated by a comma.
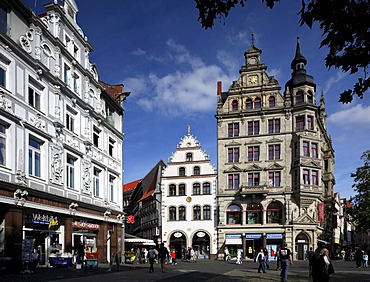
[(278, 259), (366, 260), (266, 254), (358, 257), (310, 253), (163, 255), (261, 261), (193, 256), (313, 271), (285, 261), (173, 256), (227, 254), (239, 257), (80, 248), (152, 254), (323, 267)]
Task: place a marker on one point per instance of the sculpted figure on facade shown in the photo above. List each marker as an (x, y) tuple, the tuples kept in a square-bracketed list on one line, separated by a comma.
[(56, 166)]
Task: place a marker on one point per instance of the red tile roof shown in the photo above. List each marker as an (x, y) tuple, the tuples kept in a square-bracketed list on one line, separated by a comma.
[(112, 90), (131, 185)]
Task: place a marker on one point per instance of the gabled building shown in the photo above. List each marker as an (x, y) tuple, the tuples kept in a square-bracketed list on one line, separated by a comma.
[(61, 139), (189, 210), (275, 161)]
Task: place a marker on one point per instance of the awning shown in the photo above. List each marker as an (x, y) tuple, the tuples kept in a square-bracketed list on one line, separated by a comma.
[(137, 240), (233, 241)]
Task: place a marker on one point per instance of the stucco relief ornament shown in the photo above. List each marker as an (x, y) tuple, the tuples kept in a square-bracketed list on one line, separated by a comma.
[(20, 177), (5, 104), (25, 44), (36, 121), (56, 166), (86, 175)]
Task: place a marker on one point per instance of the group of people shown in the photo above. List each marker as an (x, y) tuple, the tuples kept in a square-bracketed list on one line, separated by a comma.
[(163, 255)]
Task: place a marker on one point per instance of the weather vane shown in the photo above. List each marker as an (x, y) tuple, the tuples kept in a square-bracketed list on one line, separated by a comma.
[(252, 38)]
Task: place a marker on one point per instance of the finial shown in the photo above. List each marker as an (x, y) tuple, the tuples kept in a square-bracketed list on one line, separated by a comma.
[(188, 129), (252, 38)]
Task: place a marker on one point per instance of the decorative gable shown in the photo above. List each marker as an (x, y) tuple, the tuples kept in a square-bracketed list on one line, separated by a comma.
[(274, 166), (234, 168), (254, 167)]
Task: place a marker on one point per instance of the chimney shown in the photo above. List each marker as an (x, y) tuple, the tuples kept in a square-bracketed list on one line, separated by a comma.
[(219, 87)]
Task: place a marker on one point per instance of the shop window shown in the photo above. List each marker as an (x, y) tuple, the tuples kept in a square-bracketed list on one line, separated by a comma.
[(233, 214), (274, 212), (254, 213)]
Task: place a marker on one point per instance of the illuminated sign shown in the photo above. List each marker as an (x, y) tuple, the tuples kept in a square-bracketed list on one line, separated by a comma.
[(85, 225)]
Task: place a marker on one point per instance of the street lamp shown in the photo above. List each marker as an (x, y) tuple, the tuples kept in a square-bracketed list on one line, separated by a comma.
[(121, 219)]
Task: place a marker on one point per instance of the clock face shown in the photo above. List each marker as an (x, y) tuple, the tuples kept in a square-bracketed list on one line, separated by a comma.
[(252, 60)]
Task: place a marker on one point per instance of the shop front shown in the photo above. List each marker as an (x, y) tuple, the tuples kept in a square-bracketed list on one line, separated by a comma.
[(201, 245), (273, 242), (178, 242), (87, 233), (253, 244), (301, 246), (233, 242)]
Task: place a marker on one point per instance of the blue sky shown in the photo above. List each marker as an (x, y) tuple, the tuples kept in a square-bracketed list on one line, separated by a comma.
[(171, 66)]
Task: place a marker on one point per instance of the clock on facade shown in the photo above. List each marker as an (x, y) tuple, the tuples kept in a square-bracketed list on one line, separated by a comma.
[(252, 61)]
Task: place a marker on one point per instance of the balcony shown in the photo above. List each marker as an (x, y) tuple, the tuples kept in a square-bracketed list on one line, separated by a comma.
[(246, 189)]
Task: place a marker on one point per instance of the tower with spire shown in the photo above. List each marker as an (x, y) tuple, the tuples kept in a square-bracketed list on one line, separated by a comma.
[(275, 160)]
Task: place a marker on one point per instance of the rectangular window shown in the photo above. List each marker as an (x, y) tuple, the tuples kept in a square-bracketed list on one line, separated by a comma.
[(254, 179), (299, 123), (110, 115), (182, 213), (206, 212), (274, 152), (2, 77), (274, 125), (315, 178), (96, 135), (67, 75), (310, 122), (96, 182), (2, 144), (253, 127), (111, 188), (75, 52), (70, 121), (274, 178), (34, 98), (306, 177), (233, 129), (34, 157), (111, 147), (76, 83), (233, 180), (253, 153), (306, 148), (314, 150), (71, 172), (3, 20), (233, 155), (172, 213)]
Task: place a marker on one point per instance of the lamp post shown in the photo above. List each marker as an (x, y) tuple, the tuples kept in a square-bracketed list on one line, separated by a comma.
[(121, 219)]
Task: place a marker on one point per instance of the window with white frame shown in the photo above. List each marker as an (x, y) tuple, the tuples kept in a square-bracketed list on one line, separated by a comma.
[(112, 180), (206, 188), (172, 213), (182, 171), (233, 129), (76, 83), (306, 176), (70, 121), (253, 153), (233, 155), (274, 152), (206, 212), (96, 136), (253, 179), (182, 189), (196, 189), (34, 157), (196, 170), (274, 179), (67, 75), (47, 54), (71, 172), (172, 190), (274, 125), (253, 127), (34, 97), (110, 114), (196, 213), (2, 77), (3, 20), (182, 213), (315, 177), (3, 129), (76, 52), (189, 157), (111, 145), (233, 181), (96, 182)]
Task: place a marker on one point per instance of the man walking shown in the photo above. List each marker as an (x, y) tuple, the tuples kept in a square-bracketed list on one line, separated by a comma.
[(152, 254), (163, 255), (285, 261)]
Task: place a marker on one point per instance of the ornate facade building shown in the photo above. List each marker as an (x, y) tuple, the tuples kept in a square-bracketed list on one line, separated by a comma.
[(275, 161), (60, 139), (189, 200)]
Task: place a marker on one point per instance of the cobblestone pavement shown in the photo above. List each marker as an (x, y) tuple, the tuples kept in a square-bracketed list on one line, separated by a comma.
[(203, 270)]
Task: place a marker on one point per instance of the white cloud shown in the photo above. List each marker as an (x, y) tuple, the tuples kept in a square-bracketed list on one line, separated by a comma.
[(333, 80), (231, 63), (352, 117), (276, 73)]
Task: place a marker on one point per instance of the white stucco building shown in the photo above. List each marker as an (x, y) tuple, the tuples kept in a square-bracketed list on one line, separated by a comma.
[(189, 200)]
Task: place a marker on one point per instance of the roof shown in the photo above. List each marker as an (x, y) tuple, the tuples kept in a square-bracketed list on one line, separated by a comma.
[(114, 91), (131, 185)]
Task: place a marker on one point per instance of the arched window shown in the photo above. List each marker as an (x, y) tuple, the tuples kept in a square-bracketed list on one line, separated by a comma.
[(206, 188), (233, 214), (207, 212), (310, 97), (182, 213), (254, 213), (196, 213), (189, 157), (182, 171), (274, 213), (234, 105), (299, 97), (182, 190), (196, 189), (172, 190), (272, 102), (257, 103), (172, 215), (248, 104), (196, 170)]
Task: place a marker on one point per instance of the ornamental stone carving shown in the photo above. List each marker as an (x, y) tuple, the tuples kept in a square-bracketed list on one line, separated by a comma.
[(36, 121), (5, 104), (56, 167)]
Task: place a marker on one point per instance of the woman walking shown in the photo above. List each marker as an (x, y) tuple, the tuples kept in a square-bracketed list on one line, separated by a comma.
[(323, 267)]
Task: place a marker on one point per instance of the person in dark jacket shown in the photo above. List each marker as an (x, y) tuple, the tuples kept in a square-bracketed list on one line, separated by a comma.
[(163, 255), (322, 268), (312, 262)]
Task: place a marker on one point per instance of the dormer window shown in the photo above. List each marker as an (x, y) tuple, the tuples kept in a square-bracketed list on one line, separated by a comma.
[(234, 105), (310, 97), (272, 102), (248, 104), (257, 103), (299, 97), (189, 157)]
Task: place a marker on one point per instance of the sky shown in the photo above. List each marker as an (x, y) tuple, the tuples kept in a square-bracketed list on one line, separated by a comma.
[(159, 51)]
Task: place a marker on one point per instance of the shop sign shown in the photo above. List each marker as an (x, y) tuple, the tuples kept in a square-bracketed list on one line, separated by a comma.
[(233, 236), (44, 219), (253, 236), (201, 234), (85, 225), (301, 241), (274, 236), (320, 212), (177, 234)]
